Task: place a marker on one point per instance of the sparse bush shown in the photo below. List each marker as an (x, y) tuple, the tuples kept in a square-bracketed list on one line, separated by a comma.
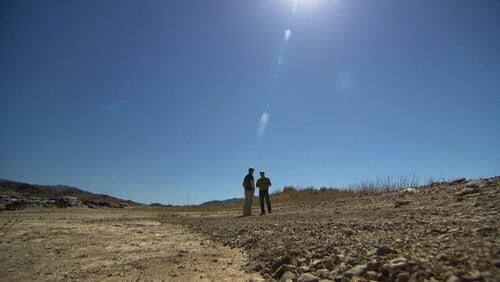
[(289, 189), (324, 193), (311, 190), (385, 184)]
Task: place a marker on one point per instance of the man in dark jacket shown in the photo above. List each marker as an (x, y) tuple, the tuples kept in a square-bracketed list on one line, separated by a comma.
[(264, 183), (249, 186)]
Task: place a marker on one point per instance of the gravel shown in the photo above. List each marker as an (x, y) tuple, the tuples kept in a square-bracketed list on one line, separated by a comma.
[(433, 236)]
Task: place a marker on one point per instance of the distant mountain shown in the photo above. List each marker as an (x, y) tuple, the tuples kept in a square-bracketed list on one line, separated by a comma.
[(14, 188), (221, 202)]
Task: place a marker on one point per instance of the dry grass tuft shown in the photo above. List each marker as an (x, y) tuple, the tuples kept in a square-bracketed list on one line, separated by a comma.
[(296, 194)]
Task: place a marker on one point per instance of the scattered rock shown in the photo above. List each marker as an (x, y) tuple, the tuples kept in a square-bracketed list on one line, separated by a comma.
[(352, 261), (476, 184), (496, 262), (372, 275), (278, 272), (343, 266), (277, 263), (301, 260), (329, 264), (466, 191), (308, 277), (398, 204), (373, 265), (333, 234), (256, 279), (303, 269), (453, 278), (471, 276), (398, 264), (322, 273), (358, 279), (418, 276), (358, 270), (289, 267), (288, 276), (340, 278), (254, 266), (337, 258), (486, 230), (315, 263), (348, 232), (403, 277), (382, 251), (456, 181)]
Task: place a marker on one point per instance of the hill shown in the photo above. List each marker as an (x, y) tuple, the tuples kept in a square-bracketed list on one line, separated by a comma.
[(222, 202), (14, 188)]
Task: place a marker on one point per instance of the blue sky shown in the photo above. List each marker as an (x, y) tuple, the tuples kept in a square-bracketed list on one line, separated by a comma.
[(158, 101)]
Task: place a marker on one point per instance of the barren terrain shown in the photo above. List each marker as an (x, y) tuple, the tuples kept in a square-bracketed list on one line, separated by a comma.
[(444, 232), (108, 244)]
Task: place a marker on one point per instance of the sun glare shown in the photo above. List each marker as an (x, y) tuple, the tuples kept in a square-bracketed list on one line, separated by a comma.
[(306, 4)]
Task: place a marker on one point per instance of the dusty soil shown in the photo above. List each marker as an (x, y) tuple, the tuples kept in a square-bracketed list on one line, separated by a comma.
[(449, 231), (108, 244)]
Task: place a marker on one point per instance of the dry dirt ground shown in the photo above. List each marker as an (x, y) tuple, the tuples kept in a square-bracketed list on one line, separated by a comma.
[(108, 244), (446, 232)]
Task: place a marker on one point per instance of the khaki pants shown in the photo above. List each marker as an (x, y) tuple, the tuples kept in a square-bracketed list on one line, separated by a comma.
[(247, 208)]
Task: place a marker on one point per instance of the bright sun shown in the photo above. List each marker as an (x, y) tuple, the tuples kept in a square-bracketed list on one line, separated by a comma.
[(306, 4)]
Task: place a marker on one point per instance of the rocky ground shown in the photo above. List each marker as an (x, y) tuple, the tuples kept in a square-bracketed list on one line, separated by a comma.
[(445, 232)]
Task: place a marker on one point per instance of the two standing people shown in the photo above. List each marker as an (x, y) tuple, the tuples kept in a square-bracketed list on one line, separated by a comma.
[(263, 183)]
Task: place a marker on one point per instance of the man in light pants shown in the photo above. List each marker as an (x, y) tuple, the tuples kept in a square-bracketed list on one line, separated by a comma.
[(249, 186)]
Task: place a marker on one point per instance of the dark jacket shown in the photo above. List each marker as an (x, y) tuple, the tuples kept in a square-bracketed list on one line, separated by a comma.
[(248, 181)]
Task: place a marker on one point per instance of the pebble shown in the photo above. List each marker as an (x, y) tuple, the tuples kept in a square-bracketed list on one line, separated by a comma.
[(280, 261), (358, 279), (329, 264), (475, 184), (398, 264), (288, 276), (453, 278), (403, 277), (356, 271), (308, 277), (256, 279), (382, 251), (279, 272), (316, 263), (472, 276), (373, 265), (496, 262), (303, 268), (322, 273), (372, 275)]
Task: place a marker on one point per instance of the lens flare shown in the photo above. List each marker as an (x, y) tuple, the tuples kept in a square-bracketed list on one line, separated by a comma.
[(264, 120), (288, 33)]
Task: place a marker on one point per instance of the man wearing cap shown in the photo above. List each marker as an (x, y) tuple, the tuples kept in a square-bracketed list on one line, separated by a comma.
[(249, 186), (264, 183)]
